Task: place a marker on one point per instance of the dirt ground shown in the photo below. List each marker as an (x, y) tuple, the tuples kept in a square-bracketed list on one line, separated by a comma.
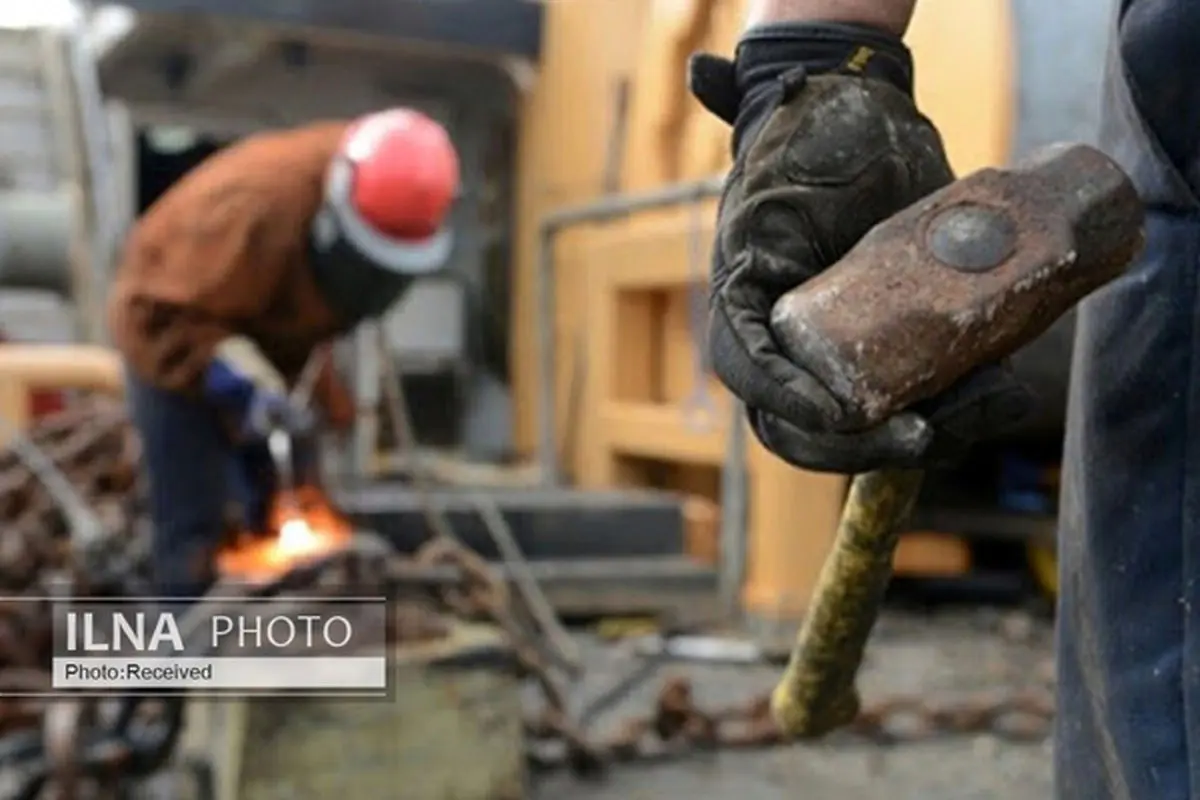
[(943, 656)]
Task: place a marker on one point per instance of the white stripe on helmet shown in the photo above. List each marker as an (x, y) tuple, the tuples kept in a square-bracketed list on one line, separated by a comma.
[(415, 257)]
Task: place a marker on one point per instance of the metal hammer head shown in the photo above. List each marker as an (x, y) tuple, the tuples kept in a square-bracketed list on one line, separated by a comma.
[(960, 279)]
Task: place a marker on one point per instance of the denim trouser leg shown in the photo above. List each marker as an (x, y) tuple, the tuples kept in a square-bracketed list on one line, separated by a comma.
[(188, 463), (1129, 541)]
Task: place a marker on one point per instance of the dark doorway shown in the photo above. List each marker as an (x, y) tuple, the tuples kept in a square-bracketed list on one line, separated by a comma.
[(163, 157)]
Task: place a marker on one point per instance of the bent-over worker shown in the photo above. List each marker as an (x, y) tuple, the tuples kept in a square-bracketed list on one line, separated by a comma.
[(262, 253)]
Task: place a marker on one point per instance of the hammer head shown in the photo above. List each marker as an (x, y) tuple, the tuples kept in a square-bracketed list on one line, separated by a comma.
[(961, 279)]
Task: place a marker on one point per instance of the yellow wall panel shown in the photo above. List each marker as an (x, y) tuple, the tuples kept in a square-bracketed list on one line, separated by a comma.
[(965, 81), (966, 77)]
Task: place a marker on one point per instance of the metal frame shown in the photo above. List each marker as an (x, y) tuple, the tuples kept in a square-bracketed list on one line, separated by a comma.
[(734, 468), (552, 224), (669, 587), (501, 27)]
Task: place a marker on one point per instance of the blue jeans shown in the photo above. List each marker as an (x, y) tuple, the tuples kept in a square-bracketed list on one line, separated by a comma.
[(1128, 725), (193, 471)]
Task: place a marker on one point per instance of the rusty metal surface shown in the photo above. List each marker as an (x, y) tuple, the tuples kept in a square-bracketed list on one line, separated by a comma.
[(95, 447), (93, 444), (73, 748), (679, 725), (960, 279)]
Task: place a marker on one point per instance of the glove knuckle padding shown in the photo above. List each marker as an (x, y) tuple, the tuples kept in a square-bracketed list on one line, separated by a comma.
[(828, 133), (775, 236), (827, 166)]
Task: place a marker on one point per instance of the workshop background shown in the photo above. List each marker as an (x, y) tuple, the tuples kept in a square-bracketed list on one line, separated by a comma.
[(552, 376)]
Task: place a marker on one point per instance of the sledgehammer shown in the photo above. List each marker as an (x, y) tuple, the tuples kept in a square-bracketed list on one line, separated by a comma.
[(961, 279)]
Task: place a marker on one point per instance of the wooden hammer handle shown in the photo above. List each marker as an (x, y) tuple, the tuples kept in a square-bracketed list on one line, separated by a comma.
[(817, 692)]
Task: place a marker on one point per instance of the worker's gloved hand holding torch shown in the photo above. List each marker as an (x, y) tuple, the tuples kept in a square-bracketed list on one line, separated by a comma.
[(270, 411), (827, 142), (255, 410)]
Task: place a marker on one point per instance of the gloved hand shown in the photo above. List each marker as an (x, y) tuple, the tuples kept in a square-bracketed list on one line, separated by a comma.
[(254, 411), (827, 143)]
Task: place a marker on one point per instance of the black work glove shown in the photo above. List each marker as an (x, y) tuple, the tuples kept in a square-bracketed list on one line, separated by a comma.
[(827, 143)]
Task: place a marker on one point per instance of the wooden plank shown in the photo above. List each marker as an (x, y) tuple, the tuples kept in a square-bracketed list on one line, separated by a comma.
[(793, 515), (570, 330), (701, 520), (684, 343), (929, 554), (61, 366), (660, 103), (966, 77), (706, 139), (660, 432), (565, 119), (593, 465), (15, 411), (659, 249), (25, 368), (621, 362)]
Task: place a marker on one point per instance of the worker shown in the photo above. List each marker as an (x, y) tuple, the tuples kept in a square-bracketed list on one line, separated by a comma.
[(233, 278), (827, 142)]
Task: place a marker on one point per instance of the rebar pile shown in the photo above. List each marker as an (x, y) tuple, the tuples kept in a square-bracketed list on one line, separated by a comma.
[(93, 451), (93, 446)]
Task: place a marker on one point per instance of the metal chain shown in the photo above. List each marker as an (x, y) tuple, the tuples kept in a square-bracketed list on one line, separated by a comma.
[(81, 746), (678, 726), (557, 643)]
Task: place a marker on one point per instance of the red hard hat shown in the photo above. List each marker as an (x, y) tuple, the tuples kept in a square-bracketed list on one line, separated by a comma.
[(404, 172)]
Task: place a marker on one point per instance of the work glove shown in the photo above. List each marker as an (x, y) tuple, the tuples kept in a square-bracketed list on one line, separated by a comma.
[(254, 411), (827, 142)]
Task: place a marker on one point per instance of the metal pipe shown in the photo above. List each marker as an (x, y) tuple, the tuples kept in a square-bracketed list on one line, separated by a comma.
[(734, 488), (36, 230), (62, 366), (551, 225), (93, 132), (368, 371), (86, 528)]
